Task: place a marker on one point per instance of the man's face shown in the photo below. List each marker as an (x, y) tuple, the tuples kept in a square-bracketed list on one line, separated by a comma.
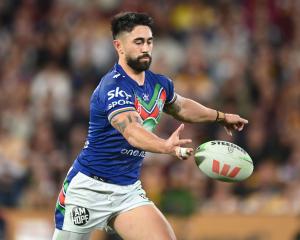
[(136, 48)]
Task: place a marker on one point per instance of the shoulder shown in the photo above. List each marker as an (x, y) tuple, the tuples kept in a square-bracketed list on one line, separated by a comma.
[(111, 81), (163, 80), (167, 85), (108, 83), (158, 76), (112, 78), (114, 91)]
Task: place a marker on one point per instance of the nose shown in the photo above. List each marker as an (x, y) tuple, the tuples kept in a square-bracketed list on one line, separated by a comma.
[(146, 48)]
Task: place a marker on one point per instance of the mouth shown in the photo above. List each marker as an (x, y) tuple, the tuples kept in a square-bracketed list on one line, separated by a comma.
[(145, 58)]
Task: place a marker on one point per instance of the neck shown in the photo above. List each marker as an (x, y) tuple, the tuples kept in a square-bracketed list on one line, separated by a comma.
[(139, 77)]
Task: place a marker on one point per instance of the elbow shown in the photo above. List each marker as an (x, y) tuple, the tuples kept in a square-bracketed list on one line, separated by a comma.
[(130, 136), (131, 140)]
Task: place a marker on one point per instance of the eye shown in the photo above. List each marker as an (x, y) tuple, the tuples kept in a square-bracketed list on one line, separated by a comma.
[(138, 42)]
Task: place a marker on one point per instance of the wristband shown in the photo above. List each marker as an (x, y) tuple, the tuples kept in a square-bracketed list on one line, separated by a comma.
[(218, 119)]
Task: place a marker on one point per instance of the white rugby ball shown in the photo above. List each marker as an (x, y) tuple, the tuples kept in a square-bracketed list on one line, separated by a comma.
[(224, 161)]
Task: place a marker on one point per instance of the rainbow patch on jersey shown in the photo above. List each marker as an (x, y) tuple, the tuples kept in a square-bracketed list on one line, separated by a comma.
[(150, 112)]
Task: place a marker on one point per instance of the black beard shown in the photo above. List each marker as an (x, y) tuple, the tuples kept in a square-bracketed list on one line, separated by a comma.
[(137, 65)]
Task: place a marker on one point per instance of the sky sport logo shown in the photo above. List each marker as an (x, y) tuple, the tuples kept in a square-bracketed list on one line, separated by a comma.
[(225, 170), (80, 216)]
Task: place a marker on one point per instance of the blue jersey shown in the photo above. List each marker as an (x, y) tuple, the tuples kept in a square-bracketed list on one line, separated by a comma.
[(106, 153)]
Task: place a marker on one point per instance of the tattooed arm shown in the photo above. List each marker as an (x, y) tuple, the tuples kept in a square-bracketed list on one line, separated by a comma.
[(187, 110), (129, 124)]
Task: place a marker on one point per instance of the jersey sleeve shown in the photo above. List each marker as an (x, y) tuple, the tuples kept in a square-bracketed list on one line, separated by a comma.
[(171, 94), (118, 99)]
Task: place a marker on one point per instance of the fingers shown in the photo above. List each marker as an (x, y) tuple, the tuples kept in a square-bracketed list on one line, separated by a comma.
[(235, 119), (243, 120), (183, 141), (240, 126), (234, 122), (179, 129), (180, 152), (176, 134), (228, 130), (184, 153)]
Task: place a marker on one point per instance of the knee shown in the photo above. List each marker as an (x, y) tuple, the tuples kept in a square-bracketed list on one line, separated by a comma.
[(170, 235)]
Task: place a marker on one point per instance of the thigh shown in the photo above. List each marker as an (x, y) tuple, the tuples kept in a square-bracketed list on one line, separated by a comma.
[(83, 205), (143, 223), (65, 235)]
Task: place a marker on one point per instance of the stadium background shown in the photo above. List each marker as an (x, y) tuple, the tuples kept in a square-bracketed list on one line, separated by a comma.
[(238, 56)]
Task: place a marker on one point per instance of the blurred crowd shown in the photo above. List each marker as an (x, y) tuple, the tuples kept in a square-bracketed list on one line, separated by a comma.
[(240, 56)]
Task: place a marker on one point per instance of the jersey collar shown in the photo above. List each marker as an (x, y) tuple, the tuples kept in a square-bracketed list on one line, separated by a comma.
[(120, 70)]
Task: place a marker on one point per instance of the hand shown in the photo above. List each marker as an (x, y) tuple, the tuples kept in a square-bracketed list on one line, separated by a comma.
[(174, 143), (233, 122), (183, 153)]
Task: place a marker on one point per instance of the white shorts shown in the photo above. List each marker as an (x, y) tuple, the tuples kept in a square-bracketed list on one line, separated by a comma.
[(85, 203)]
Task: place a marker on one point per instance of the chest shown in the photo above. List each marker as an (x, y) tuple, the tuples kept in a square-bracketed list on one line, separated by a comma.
[(149, 103)]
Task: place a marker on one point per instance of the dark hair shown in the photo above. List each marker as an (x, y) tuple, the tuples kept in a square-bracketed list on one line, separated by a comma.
[(126, 21)]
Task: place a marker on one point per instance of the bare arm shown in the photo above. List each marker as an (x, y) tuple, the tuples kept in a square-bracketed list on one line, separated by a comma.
[(188, 110), (129, 124)]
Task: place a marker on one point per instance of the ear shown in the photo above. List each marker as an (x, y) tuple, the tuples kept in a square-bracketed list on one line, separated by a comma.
[(118, 46)]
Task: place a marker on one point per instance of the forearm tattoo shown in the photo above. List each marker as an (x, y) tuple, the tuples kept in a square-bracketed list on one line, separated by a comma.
[(138, 119), (122, 124), (173, 108)]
